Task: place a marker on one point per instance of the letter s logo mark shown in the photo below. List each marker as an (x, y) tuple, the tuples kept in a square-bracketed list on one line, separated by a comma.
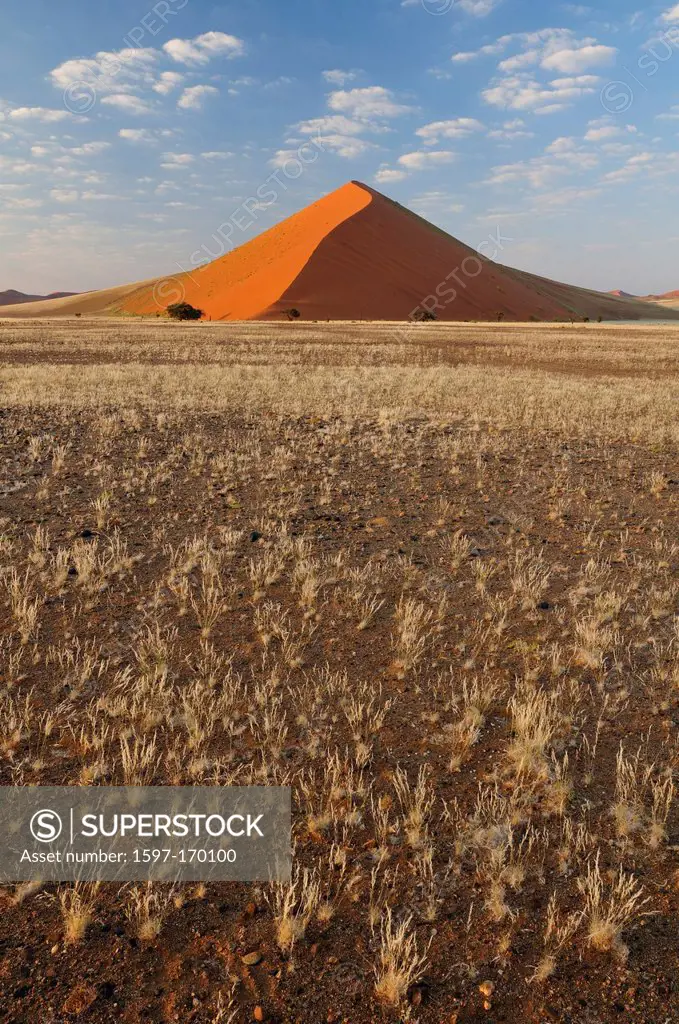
[(46, 826)]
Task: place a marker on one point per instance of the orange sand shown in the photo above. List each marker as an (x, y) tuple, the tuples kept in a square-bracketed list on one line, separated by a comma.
[(355, 255), (246, 282)]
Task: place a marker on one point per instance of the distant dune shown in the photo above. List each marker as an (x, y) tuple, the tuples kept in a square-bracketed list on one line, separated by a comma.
[(13, 298), (355, 255), (669, 300)]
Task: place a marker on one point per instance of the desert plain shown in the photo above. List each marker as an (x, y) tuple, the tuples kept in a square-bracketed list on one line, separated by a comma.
[(424, 574)]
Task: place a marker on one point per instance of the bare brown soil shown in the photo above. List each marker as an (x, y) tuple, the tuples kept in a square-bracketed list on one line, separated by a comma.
[(429, 581)]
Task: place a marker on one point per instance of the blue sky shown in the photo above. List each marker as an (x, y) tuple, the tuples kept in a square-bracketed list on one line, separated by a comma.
[(131, 133)]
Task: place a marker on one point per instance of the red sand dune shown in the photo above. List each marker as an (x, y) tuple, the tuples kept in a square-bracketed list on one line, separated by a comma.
[(671, 298), (356, 255), (668, 301), (667, 296)]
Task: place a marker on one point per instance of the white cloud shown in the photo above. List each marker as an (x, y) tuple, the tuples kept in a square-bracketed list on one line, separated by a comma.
[(338, 77), (491, 49), (523, 92), (527, 39), (168, 186), (537, 172), (605, 132), (353, 113), (282, 157), (347, 146), (247, 82), (575, 60), (556, 49), (128, 104), (334, 124), (631, 169), (563, 156), (42, 114), (339, 134), (672, 115), (671, 16), (519, 61), (216, 154), (11, 166), (564, 197), (387, 174), (108, 71), (136, 135), (204, 48), (510, 130), (478, 8), (459, 128), (603, 128), (89, 197), (24, 204), (464, 56), (89, 149), (616, 149), (168, 81), (219, 44), (517, 85), (63, 155), (373, 101), (62, 195), (358, 111), (435, 203), (576, 82), (175, 161), (420, 160), (194, 97), (565, 144), (276, 83)]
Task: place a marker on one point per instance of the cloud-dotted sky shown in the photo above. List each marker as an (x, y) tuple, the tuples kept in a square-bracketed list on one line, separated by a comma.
[(139, 138)]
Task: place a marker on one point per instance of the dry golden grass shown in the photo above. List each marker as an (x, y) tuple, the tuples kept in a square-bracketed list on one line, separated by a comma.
[(427, 579), (603, 381)]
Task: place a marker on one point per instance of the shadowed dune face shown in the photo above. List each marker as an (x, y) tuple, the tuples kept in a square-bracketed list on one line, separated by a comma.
[(386, 263), (354, 255)]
